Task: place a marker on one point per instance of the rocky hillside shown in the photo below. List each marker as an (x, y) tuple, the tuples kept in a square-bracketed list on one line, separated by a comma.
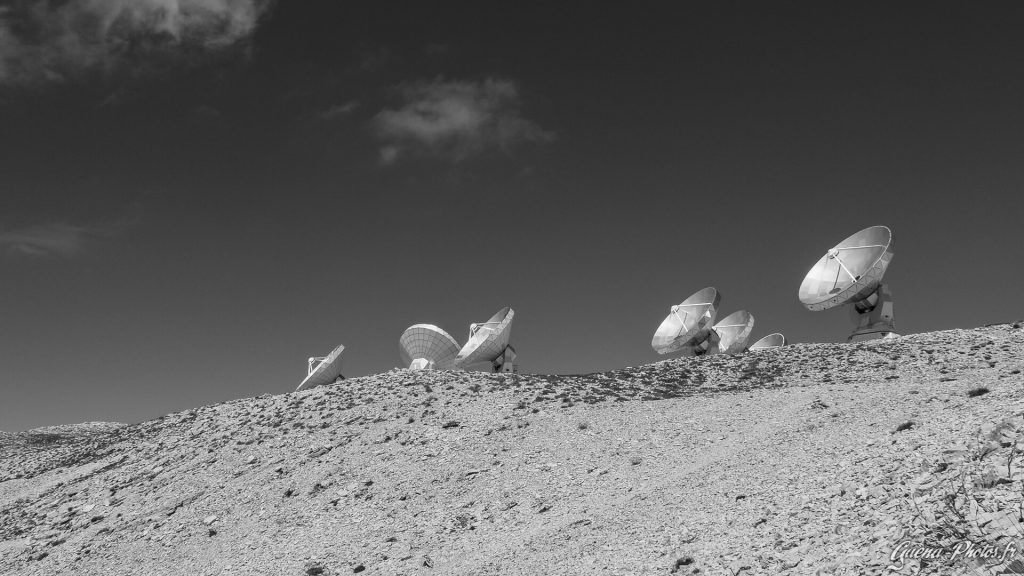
[(812, 459)]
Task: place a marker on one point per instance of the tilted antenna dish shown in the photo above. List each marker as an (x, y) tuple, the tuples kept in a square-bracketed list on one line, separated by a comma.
[(770, 341), (323, 369), (488, 342), (425, 346), (851, 273), (733, 332), (687, 328)]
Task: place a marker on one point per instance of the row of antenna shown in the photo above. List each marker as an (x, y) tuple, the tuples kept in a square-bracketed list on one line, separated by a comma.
[(690, 328), (427, 347), (849, 273)]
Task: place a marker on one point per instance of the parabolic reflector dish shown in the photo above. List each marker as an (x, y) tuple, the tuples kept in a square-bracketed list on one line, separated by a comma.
[(688, 324), (850, 271), (323, 370), (428, 346), (770, 341), (487, 340), (733, 332)]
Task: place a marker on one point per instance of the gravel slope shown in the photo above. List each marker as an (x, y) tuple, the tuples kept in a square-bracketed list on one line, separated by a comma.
[(810, 459)]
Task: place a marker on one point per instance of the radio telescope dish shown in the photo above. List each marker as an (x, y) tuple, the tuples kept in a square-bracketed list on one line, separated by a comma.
[(770, 341), (851, 273), (427, 347), (733, 332), (488, 342), (323, 369), (687, 328)]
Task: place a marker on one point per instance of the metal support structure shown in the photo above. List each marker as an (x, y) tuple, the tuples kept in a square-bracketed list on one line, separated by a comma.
[(314, 360), (873, 316), (421, 364), (709, 345), (506, 362)]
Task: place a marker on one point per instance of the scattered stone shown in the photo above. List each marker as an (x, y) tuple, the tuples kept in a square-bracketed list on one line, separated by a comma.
[(681, 564), (318, 452), (315, 569), (790, 488), (904, 426)]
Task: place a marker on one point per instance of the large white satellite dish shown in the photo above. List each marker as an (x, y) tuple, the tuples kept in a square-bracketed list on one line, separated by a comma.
[(851, 273), (687, 328), (733, 332), (770, 341), (488, 342), (323, 369), (427, 347)]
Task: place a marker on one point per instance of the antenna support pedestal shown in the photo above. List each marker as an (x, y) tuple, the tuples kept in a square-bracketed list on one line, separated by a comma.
[(873, 316), (706, 342), (421, 364), (709, 345), (506, 362)]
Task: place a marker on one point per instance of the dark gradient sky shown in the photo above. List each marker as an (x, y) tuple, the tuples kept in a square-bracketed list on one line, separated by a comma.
[(213, 223)]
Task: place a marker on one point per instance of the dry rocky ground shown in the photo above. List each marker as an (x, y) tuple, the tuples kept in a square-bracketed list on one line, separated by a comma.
[(812, 459)]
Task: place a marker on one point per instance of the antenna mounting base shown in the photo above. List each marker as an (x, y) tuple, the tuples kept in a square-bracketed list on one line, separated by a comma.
[(506, 362), (873, 316)]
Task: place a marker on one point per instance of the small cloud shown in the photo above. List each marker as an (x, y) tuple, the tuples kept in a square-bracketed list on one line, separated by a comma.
[(455, 120), (58, 239), (207, 111), (339, 110), (42, 41), (388, 155), (62, 238)]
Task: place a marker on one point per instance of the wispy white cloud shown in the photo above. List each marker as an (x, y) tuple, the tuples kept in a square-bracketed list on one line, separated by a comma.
[(454, 120), (42, 41), (339, 110), (66, 238), (56, 239)]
